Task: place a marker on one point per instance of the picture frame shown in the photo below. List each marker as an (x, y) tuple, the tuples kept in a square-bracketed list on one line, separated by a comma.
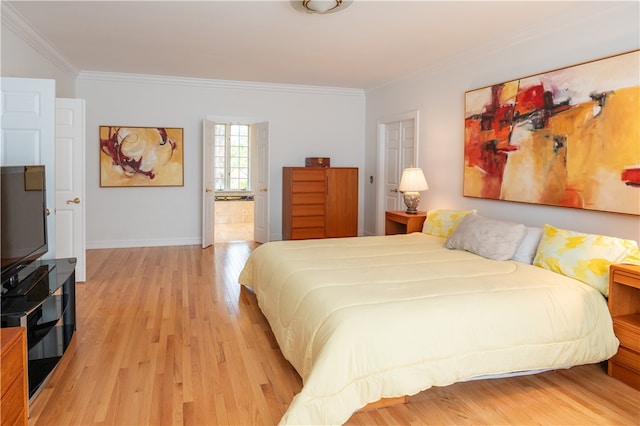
[(568, 137), (134, 156)]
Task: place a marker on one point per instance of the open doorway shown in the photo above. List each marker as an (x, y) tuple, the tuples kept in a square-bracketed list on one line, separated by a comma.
[(397, 150), (235, 181), (234, 218), (232, 182)]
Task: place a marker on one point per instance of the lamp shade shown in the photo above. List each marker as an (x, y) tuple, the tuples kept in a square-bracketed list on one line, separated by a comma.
[(413, 180)]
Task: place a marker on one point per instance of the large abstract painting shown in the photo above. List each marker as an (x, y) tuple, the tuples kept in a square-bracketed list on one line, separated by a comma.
[(141, 156), (569, 137)]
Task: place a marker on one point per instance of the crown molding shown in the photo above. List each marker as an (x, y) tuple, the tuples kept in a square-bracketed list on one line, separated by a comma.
[(13, 21), (214, 84)]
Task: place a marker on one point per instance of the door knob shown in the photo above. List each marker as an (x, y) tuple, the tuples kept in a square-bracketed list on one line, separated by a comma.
[(394, 190), (263, 189), (208, 190), (74, 201)]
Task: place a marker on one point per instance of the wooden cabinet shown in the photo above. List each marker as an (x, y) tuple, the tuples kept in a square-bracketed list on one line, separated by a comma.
[(624, 305), (401, 222), (319, 202), (13, 376)]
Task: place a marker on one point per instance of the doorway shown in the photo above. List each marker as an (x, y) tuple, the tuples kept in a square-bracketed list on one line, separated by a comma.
[(233, 218), (233, 211), (235, 181), (397, 150)]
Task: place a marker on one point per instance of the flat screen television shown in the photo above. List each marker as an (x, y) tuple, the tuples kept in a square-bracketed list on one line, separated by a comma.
[(23, 217)]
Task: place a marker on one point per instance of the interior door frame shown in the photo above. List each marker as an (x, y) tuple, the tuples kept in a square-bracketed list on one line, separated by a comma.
[(237, 120), (382, 123)]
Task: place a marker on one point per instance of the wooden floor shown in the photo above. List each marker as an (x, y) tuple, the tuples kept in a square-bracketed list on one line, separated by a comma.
[(166, 336), (232, 232)]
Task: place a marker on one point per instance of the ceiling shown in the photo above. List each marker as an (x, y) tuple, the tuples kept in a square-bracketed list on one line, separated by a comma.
[(363, 46)]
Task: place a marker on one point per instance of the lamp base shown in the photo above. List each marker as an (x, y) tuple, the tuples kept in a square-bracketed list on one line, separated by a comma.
[(411, 200)]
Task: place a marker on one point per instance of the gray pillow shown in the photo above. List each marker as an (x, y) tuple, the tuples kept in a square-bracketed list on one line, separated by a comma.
[(488, 238)]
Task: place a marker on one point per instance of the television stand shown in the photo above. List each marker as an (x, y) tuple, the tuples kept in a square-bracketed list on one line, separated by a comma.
[(44, 303), (33, 285)]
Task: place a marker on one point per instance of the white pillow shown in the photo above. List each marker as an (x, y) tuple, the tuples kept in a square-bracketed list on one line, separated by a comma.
[(528, 247), (488, 238)]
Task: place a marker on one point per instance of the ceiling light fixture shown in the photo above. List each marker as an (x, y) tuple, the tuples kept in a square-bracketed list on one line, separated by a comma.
[(320, 6)]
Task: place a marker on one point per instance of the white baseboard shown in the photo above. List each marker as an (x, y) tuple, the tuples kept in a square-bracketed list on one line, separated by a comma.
[(142, 243)]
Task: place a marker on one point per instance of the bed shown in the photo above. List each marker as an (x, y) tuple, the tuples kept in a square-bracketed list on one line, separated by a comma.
[(367, 318)]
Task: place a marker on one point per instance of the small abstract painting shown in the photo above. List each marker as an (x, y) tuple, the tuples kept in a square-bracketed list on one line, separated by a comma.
[(569, 137), (141, 156)]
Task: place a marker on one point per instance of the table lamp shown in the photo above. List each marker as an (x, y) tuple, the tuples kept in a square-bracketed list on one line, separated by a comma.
[(411, 183)]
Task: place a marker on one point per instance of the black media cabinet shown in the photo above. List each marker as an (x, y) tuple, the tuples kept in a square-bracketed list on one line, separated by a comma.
[(44, 302)]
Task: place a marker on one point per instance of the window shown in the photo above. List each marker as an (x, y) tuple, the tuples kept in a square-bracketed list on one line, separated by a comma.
[(232, 157)]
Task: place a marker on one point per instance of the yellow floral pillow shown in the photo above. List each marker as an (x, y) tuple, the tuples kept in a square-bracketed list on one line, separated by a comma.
[(442, 222), (585, 257)]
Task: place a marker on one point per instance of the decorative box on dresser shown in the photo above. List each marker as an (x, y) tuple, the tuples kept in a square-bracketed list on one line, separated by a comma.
[(13, 376), (624, 305), (319, 202)]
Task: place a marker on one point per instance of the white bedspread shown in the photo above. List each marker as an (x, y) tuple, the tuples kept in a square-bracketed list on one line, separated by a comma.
[(371, 317)]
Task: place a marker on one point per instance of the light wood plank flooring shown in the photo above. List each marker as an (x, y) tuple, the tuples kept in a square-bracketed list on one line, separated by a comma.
[(233, 232), (166, 336)]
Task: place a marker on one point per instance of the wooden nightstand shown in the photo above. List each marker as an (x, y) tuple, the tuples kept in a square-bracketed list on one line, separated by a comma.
[(400, 222), (624, 305)]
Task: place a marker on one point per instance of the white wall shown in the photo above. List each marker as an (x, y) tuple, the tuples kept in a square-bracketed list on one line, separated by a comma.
[(597, 30), (303, 122), (26, 54)]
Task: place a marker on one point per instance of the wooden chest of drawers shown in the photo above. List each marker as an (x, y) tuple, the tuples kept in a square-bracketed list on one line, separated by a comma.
[(13, 376), (624, 305), (319, 202)]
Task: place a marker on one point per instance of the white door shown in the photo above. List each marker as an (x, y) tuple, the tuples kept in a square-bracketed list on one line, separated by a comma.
[(208, 183), (28, 135), (70, 179), (260, 181), (397, 150), (392, 171)]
